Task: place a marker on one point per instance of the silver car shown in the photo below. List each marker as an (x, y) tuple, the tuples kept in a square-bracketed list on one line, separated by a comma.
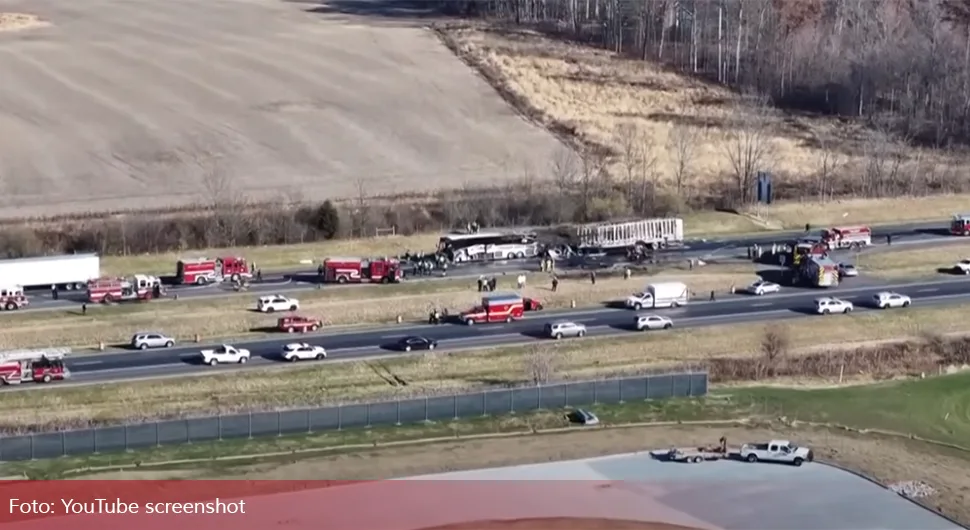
[(558, 330), (644, 322), (143, 341)]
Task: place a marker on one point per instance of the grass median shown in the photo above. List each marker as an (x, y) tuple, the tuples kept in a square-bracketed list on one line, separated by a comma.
[(931, 408), (443, 372), (232, 315), (916, 262)]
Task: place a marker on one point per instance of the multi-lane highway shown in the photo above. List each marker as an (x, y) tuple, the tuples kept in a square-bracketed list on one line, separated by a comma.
[(296, 280), (378, 342)]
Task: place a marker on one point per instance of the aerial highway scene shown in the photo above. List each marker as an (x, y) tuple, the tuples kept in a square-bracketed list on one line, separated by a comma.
[(658, 251)]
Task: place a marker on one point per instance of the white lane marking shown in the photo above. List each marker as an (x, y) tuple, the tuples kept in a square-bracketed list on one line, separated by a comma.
[(927, 290), (87, 363), (763, 304)]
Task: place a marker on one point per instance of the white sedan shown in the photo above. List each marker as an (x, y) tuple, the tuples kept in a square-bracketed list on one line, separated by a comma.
[(301, 351), (885, 300), (825, 306), (761, 288), (847, 270)]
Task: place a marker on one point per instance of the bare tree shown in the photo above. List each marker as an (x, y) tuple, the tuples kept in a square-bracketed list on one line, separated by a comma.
[(682, 145), (748, 146), (360, 214), (775, 343), (830, 161), (591, 176), (564, 170), (540, 364)]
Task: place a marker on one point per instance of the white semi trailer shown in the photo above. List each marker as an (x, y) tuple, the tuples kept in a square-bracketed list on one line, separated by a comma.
[(645, 233), (70, 271)]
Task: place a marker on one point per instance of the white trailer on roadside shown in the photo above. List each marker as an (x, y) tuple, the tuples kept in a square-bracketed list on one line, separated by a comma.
[(645, 233), (69, 271)]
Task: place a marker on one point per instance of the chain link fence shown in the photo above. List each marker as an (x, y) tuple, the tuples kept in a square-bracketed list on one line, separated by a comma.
[(300, 421)]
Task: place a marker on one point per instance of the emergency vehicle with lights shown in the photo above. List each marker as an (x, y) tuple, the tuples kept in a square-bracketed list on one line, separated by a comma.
[(12, 297), (495, 308), (847, 237), (38, 366), (960, 225), (201, 271), (110, 290), (361, 270)]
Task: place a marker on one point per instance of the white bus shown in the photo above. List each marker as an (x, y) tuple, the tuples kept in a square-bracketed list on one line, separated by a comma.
[(487, 246)]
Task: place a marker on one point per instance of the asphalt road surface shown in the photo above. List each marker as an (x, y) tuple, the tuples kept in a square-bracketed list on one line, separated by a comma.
[(298, 280), (599, 322)]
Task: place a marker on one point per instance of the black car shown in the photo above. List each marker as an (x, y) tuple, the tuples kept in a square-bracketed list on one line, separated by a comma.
[(417, 343)]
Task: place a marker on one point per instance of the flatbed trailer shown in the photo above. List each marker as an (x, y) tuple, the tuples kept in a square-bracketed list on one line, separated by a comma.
[(696, 455)]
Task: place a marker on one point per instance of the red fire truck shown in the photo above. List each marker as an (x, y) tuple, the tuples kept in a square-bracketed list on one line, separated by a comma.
[(960, 225), (360, 270), (109, 290), (12, 297), (495, 308), (39, 366), (201, 271), (806, 247), (847, 237)]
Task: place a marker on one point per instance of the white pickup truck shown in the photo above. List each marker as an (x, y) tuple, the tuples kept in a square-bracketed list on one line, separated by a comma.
[(781, 451), (225, 354)]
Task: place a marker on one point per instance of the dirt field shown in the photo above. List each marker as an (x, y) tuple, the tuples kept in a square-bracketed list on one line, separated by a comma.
[(125, 105), (319, 383), (887, 460), (184, 319)]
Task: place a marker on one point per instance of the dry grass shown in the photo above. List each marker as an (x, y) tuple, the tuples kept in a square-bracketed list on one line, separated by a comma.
[(440, 371), (231, 316), (914, 263), (593, 91), (794, 215)]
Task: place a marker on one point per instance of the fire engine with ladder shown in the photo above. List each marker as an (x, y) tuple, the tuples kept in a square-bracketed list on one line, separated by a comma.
[(38, 366), (201, 271), (136, 288), (847, 237)]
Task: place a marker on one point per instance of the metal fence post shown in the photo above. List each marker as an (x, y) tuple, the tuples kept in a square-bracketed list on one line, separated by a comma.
[(619, 391), (511, 400), (158, 440), (426, 419), (279, 423), (454, 403), (367, 408), (646, 387), (250, 425), (398, 412), (538, 397), (484, 403), (219, 427)]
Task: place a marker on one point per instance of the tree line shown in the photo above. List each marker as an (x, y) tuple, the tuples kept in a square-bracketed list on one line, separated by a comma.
[(902, 63)]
